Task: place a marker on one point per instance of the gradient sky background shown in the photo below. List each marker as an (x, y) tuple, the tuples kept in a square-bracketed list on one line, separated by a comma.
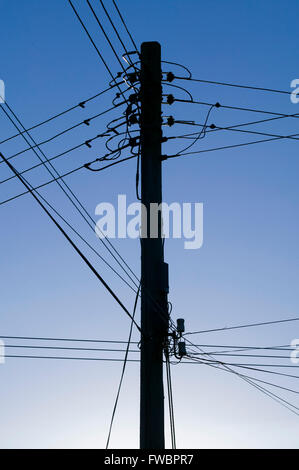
[(246, 271)]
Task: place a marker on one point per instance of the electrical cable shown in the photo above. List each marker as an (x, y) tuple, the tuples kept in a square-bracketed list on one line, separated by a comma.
[(123, 371), (233, 85), (65, 348), (66, 152), (238, 108), (87, 262), (225, 147), (81, 105), (37, 145), (170, 400), (125, 25), (73, 340), (243, 326)]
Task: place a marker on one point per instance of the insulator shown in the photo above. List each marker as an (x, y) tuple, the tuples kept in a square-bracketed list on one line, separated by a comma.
[(170, 77), (170, 99), (170, 121)]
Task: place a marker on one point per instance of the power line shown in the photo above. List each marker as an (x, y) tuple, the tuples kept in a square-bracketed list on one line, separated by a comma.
[(243, 348), (70, 358), (256, 369), (63, 176), (67, 348), (228, 368), (255, 379), (52, 208), (72, 193), (96, 48), (244, 326), (123, 370), (109, 71), (237, 108), (215, 128), (80, 340), (170, 401), (230, 128), (272, 90), (225, 147), (111, 45), (250, 364), (79, 105), (199, 135), (113, 26), (90, 38), (76, 147), (125, 25), (270, 394), (105, 34), (87, 262), (270, 356), (267, 392), (246, 131), (37, 145)]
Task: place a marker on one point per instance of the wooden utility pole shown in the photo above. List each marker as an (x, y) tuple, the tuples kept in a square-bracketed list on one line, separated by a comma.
[(154, 272)]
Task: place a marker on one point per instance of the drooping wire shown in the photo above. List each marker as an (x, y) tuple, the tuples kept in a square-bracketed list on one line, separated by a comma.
[(170, 400), (200, 135), (123, 370)]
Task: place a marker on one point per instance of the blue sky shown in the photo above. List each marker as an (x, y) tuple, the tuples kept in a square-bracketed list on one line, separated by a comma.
[(247, 269)]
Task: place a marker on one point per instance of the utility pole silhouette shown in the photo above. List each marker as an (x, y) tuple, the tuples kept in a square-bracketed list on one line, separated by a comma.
[(154, 272)]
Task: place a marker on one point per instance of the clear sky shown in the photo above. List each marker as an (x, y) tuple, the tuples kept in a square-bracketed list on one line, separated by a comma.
[(247, 269)]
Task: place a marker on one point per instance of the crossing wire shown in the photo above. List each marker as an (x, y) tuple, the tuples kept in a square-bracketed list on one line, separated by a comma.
[(83, 257), (249, 87), (123, 370)]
